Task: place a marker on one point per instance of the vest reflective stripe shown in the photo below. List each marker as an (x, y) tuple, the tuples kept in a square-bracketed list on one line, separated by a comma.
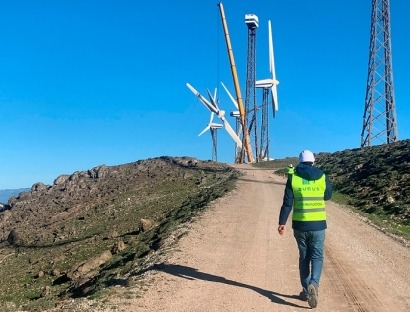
[(309, 203), (308, 198), (309, 210)]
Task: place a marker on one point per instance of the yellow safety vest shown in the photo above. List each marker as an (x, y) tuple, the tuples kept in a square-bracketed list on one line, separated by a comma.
[(291, 170), (309, 203)]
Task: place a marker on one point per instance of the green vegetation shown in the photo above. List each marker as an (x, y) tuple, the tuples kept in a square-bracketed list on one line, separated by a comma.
[(35, 270), (382, 221), (373, 181), (89, 213)]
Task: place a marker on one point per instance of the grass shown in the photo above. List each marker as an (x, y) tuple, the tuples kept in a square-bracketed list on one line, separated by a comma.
[(372, 181), (169, 200), (381, 221), (340, 198)]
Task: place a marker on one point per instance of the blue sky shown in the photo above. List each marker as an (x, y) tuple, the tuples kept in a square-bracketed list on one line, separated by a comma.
[(86, 83)]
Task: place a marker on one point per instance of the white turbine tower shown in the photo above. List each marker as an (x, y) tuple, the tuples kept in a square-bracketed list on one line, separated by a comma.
[(213, 107)]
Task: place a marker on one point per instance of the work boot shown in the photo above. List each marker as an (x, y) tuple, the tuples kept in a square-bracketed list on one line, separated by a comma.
[(312, 296), (303, 295)]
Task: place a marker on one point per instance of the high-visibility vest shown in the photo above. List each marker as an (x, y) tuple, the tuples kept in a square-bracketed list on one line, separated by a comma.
[(309, 203), (291, 170)]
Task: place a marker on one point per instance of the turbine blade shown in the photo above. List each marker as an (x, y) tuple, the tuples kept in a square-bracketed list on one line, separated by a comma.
[(271, 57), (231, 132), (275, 104), (212, 117), (274, 92), (212, 99), (203, 99), (216, 100), (231, 97), (203, 131)]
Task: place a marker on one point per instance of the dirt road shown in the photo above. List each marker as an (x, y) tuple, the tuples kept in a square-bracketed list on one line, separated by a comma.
[(232, 259)]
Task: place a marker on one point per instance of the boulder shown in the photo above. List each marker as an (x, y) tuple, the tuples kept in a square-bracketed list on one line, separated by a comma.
[(81, 269)]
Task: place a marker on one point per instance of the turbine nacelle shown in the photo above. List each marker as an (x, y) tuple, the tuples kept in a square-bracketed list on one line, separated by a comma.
[(215, 126), (266, 83), (211, 125)]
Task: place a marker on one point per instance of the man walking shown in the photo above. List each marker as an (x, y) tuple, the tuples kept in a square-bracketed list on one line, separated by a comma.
[(290, 169), (306, 191)]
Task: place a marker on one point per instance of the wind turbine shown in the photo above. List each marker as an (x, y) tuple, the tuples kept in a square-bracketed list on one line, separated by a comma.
[(270, 82), (266, 85), (213, 127), (213, 107)]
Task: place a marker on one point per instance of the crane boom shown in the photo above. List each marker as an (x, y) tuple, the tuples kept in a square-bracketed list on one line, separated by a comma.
[(246, 138)]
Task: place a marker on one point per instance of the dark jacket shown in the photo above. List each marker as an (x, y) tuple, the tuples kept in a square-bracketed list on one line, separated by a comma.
[(311, 173)]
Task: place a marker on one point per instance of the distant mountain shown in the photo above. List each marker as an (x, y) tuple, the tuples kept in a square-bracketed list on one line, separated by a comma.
[(6, 194)]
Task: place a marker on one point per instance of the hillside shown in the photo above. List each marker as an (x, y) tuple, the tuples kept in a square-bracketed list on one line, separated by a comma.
[(233, 259), (372, 180), (76, 236), (376, 179), (90, 229)]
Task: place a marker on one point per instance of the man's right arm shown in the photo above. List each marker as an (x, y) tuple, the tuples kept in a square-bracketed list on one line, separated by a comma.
[(287, 202)]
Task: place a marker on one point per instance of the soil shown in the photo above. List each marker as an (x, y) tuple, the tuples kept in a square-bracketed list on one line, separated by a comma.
[(231, 258)]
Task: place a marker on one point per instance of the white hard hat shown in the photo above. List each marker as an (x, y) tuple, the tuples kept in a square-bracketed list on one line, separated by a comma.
[(306, 156)]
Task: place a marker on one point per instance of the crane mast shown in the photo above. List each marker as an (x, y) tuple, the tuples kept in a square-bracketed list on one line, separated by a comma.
[(251, 109), (246, 139)]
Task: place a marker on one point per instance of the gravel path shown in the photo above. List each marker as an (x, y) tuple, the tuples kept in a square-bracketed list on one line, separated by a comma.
[(232, 259)]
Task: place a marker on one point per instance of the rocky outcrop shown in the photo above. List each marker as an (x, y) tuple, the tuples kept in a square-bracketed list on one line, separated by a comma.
[(89, 227), (376, 178), (50, 214), (84, 268)]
